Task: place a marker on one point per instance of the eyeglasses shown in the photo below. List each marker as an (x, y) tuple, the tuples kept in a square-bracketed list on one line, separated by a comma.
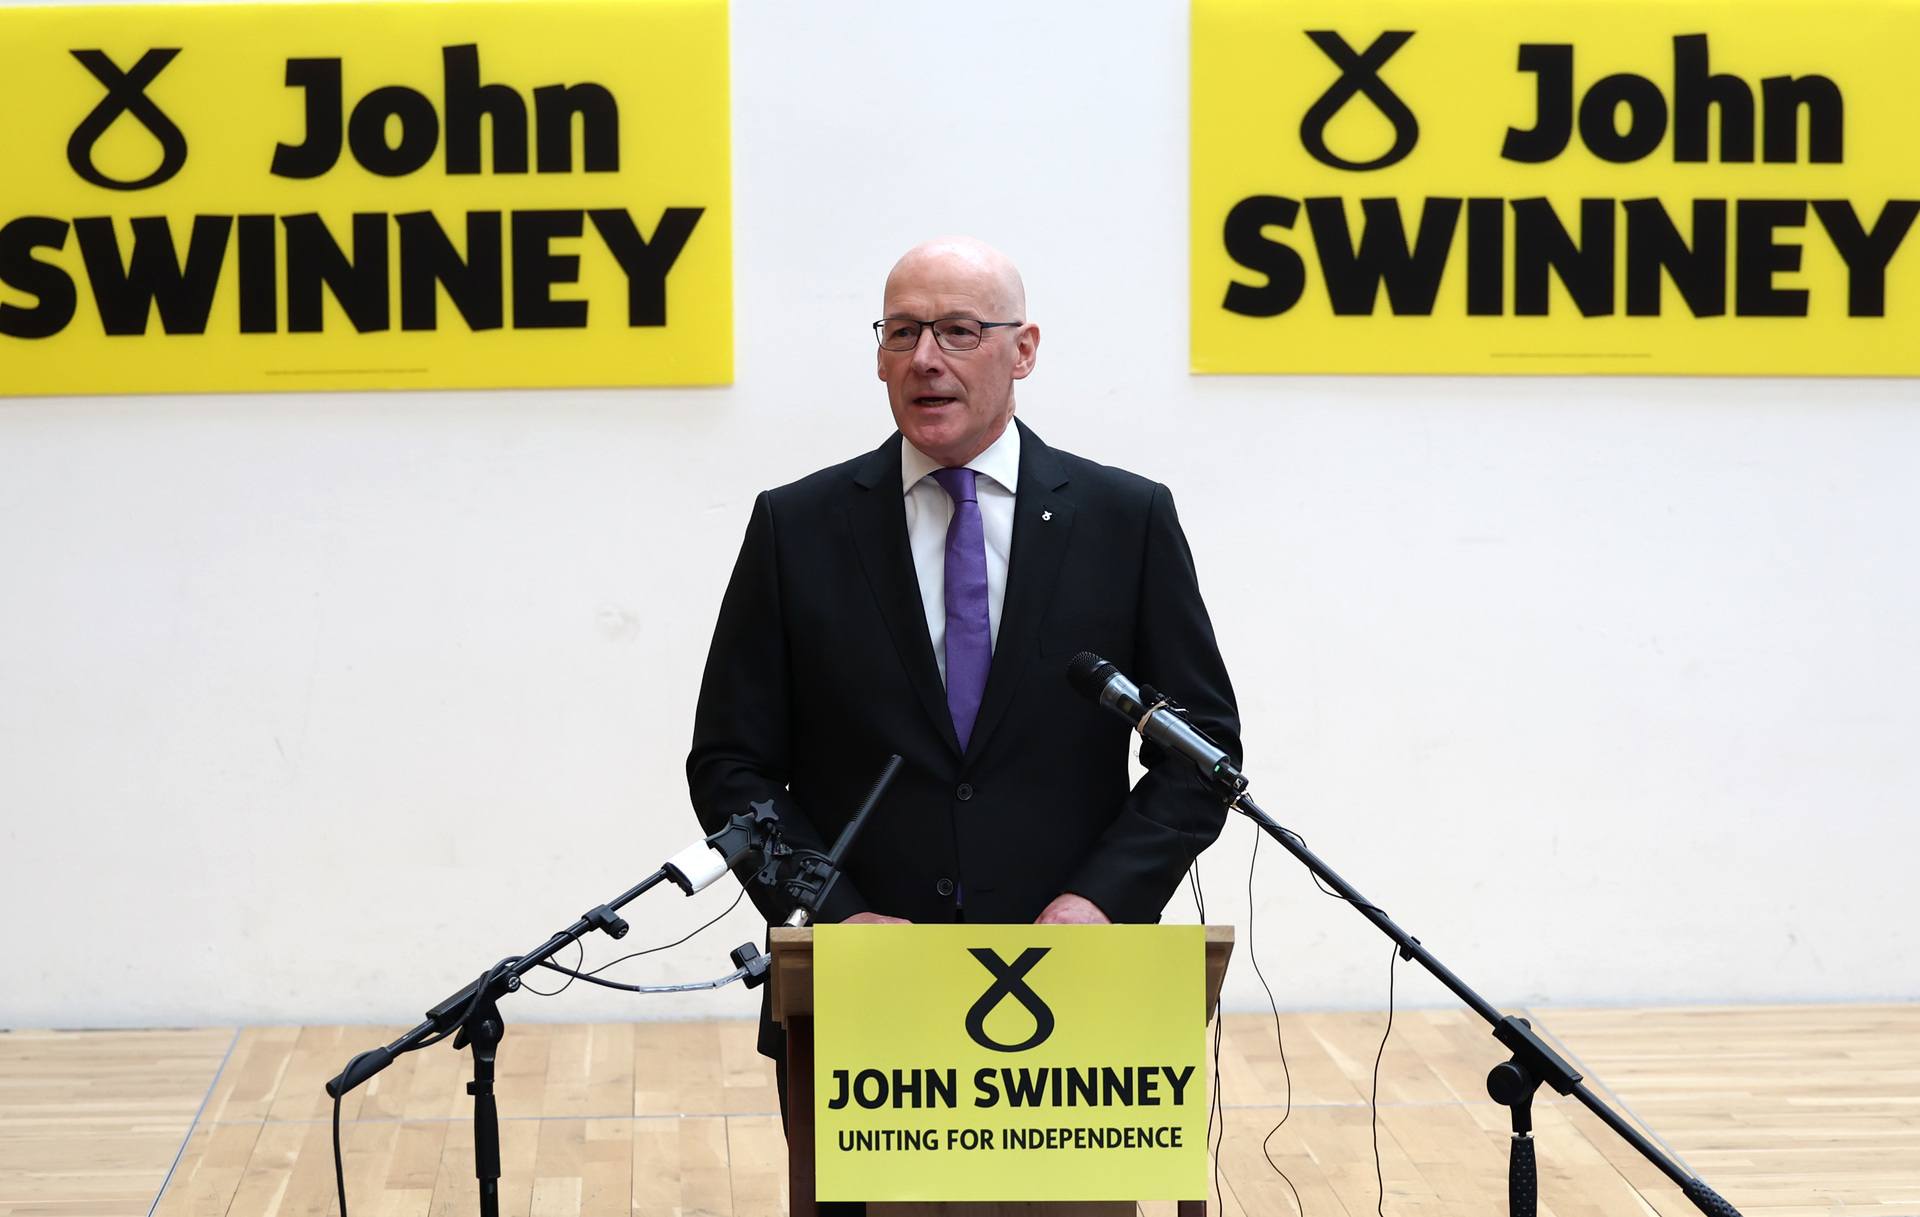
[(952, 333)]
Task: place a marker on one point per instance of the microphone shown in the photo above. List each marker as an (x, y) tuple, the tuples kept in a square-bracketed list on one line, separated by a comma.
[(1152, 715), (748, 833)]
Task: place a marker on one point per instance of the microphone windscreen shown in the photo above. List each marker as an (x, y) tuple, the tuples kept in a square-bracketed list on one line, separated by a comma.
[(1089, 673)]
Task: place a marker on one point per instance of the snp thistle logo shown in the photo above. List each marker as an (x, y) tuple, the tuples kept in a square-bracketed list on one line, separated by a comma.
[(1359, 77), (1009, 981), (126, 94)]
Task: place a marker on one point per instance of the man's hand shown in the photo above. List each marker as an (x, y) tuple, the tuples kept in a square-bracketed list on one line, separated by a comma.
[(1069, 909), (875, 919)]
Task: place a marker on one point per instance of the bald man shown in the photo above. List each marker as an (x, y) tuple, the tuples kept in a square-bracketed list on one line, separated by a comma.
[(924, 599)]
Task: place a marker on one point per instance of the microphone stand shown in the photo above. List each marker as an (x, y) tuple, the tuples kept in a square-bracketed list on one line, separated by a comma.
[(1512, 1082), (472, 1014)]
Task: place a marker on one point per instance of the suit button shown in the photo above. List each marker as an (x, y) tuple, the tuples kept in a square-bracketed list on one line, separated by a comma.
[(944, 887), (963, 794)]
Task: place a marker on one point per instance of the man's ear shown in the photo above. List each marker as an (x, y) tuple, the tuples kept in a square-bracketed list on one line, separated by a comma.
[(1026, 350)]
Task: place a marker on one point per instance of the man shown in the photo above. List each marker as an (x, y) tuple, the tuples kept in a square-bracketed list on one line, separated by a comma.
[(925, 599)]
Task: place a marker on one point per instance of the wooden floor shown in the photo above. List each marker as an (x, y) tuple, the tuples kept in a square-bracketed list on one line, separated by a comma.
[(1787, 1111)]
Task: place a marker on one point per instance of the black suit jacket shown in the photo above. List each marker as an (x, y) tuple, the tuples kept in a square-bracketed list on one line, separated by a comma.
[(821, 666)]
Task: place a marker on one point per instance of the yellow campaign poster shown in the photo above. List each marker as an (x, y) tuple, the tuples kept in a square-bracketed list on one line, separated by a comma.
[(958, 1062), (1591, 186), (258, 197)]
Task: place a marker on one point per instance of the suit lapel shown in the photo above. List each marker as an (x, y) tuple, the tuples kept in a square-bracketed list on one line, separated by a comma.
[(1042, 525), (879, 525)]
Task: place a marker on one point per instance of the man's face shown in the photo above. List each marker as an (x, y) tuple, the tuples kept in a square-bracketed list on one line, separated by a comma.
[(952, 405)]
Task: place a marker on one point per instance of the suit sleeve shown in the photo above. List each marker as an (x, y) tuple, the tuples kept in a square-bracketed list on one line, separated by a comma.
[(742, 729), (1171, 814)]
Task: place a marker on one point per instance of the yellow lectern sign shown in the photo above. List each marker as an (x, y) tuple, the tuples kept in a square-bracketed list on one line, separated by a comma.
[(1010, 1062), (380, 195), (1623, 186)]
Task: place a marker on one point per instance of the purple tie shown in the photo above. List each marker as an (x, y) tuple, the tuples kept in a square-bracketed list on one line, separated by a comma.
[(969, 635)]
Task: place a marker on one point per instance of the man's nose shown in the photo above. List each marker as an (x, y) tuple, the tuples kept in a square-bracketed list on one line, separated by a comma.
[(927, 353)]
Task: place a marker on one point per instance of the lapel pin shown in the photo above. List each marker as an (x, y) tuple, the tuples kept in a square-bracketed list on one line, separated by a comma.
[(1046, 515)]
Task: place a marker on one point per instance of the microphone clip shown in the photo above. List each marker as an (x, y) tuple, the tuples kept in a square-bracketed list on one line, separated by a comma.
[(602, 917), (807, 876), (1155, 701), (772, 848), (1227, 780), (749, 837)]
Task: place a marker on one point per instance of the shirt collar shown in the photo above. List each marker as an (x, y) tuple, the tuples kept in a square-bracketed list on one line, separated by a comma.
[(1001, 462)]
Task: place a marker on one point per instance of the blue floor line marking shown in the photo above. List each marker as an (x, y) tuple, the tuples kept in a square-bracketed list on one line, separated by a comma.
[(184, 1141)]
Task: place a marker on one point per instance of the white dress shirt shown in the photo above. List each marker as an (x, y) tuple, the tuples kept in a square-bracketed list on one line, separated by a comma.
[(929, 511)]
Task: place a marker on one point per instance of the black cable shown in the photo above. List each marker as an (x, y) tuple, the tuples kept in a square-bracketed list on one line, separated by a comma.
[(1215, 1106), (593, 977), (1219, 1106), (579, 957), (739, 973), (1379, 1177), (572, 974), (339, 1171), (1374, 1103), (664, 946), (1278, 1039), (1321, 884)]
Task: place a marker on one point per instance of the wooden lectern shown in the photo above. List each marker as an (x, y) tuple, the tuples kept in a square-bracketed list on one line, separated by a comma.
[(793, 1009)]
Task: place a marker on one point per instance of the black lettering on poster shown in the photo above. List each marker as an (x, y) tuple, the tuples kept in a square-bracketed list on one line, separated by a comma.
[(368, 131), (1699, 93), (153, 278), (50, 286)]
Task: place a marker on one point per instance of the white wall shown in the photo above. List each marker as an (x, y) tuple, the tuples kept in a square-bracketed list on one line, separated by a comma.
[(312, 706)]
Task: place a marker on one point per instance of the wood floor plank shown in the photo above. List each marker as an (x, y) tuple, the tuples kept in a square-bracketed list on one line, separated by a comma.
[(746, 1077), (609, 1070), (558, 1185), (656, 1165), (757, 1152), (253, 1074), (562, 1151), (414, 1165), (210, 1170), (606, 1166), (704, 1183)]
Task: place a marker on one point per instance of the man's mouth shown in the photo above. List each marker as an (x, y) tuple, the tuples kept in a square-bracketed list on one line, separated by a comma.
[(932, 400)]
